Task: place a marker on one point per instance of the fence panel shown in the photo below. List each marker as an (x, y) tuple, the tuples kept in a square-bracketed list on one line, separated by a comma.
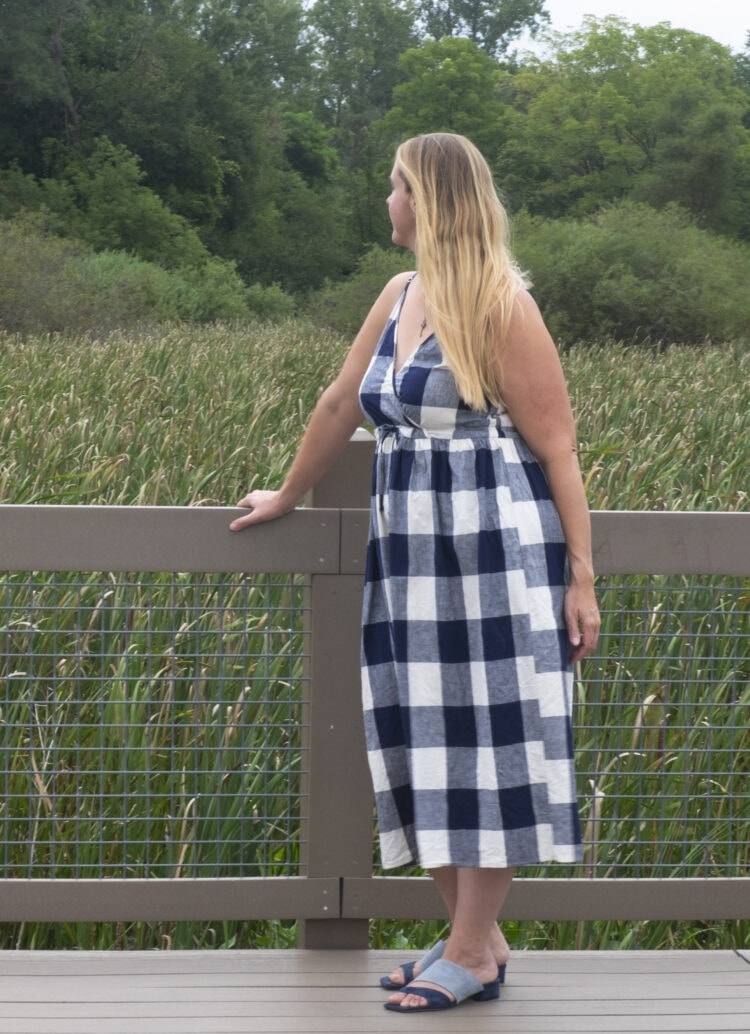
[(183, 728), (151, 725)]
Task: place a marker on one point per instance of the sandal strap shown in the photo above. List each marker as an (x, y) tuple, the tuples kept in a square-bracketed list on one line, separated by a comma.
[(435, 1000), (407, 968), (456, 980), (435, 953)]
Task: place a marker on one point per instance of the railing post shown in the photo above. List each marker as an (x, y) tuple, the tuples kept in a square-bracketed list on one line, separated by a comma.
[(337, 822)]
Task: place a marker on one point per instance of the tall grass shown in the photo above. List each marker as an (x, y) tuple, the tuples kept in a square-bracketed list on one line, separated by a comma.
[(179, 417), (663, 429), (196, 416)]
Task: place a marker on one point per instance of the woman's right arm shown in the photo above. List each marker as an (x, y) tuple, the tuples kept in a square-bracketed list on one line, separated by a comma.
[(336, 416)]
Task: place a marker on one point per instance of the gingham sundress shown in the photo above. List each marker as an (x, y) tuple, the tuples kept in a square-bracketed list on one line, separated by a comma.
[(467, 689)]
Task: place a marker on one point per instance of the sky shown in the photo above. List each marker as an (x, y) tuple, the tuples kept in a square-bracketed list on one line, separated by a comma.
[(727, 21)]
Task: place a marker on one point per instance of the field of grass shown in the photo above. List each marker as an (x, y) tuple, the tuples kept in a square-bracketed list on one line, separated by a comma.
[(190, 416), (185, 416)]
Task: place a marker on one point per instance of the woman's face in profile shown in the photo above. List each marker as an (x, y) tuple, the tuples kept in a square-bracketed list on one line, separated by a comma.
[(401, 211)]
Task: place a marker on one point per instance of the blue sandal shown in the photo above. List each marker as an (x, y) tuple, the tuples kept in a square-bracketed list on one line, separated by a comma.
[(458, 983), (407, 968)]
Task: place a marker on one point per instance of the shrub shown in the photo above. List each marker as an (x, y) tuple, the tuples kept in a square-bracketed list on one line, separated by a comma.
[(41, 288), (49, 284), (269, 303), (636, 274), (343, 306)]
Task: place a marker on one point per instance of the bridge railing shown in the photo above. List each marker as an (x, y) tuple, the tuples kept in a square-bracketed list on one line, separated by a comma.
[(181, 735)]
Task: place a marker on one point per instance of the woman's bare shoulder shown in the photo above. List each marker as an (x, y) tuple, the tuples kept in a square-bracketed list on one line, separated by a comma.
[(386, 300), (398, 282), (525, 321)]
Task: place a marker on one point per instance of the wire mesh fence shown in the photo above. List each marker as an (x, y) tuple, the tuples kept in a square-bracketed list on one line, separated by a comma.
[(153, 725), (663, 730)]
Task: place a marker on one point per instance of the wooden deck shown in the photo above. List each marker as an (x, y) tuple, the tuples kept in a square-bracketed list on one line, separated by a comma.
[(271, 992)]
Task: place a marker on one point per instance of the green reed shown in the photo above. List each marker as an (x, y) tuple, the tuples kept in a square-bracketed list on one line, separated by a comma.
[(185, 416)]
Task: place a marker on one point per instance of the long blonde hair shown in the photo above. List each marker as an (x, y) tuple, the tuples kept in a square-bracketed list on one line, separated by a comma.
[(468, 275)]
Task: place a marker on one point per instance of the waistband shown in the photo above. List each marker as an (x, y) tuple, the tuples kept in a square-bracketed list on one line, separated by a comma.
[(483, 432)]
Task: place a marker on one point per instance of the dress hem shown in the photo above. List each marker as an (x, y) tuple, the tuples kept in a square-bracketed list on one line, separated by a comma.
[(569, 858)]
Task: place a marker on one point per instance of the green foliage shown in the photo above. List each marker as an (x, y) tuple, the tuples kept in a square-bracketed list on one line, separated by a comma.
[(344, 305), (174, 104), (622, 110), (263, 133), (49, 284), (41, 286), (636, 274), (491, 25), (27, 66), (115, 209), (22, 193), (451, 86), (302, 246), (357, 48), (101, 199), (308, 147), (269, 303), (264, 42)]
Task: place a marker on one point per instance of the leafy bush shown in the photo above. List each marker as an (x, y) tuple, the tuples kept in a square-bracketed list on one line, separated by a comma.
[(630, 273), (269, 303), (41, 286), (343, 306), (636, 274), (21, 192), (101, 199), (50, 284)]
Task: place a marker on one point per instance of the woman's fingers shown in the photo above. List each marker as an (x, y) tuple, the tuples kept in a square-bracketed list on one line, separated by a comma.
[(262, 506), (583, 623)]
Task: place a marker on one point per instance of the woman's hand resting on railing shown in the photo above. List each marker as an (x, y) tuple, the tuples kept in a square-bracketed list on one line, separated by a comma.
[(262, 506)]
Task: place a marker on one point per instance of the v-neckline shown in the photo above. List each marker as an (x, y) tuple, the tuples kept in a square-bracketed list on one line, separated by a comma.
[(409, 358)]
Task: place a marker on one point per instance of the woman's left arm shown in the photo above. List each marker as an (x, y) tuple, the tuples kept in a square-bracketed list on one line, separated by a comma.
[(535, 393)]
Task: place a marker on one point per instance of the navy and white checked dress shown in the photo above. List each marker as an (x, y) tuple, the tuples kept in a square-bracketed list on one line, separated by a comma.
[(467, 688)]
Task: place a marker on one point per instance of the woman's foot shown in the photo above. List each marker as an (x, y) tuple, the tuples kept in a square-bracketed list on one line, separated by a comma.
[(406, 973), (483, 969), (486, 966), (444, 985)]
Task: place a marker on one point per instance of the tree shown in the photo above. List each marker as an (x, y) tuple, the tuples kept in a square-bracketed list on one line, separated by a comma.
[(114, 209), (449, 86), (491, 24), (37, 99), (742, 74), (357, 46), (622, 110), (27, 61), (191, 88), (264, 41)]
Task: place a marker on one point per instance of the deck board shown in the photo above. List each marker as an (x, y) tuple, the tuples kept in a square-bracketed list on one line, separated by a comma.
[(327, 992)]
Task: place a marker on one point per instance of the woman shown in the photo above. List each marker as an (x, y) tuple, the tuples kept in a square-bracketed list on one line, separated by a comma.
[(479, 592)]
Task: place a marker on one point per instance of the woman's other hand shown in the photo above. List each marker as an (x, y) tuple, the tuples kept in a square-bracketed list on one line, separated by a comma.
[(582, 620)]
